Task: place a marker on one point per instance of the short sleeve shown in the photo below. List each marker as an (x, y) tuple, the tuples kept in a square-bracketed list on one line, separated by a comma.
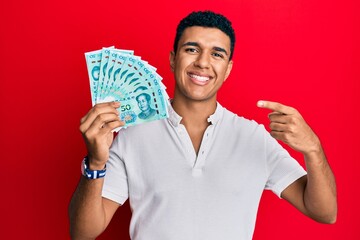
[(115, 183), (281, 167)]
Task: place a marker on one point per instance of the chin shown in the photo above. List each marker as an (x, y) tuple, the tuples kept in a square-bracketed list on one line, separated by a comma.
[(202, 98)]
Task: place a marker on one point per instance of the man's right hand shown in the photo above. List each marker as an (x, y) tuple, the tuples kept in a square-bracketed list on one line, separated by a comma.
[(96, 127)]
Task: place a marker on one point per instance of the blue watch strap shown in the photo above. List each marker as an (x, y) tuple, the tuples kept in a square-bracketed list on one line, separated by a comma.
[(91, 174)]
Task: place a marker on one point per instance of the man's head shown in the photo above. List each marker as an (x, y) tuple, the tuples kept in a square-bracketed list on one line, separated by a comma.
[(202, 61), (206, 19)]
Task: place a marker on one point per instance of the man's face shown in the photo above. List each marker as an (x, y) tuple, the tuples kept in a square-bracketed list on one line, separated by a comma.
[(143, 103), (201, 63)]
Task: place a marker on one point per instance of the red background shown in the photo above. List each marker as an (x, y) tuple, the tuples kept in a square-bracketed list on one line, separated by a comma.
[(301, 53)]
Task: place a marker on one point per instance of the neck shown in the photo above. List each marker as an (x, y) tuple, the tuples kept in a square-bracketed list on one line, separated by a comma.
[(194, 113)]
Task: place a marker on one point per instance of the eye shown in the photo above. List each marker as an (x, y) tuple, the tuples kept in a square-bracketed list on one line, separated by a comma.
[(218, 55), (191, 50)]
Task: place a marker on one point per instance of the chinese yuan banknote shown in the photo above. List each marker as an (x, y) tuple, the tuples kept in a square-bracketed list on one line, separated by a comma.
[(119, 75)]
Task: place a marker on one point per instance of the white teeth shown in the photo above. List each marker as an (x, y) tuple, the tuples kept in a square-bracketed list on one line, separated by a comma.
[(199, 78)]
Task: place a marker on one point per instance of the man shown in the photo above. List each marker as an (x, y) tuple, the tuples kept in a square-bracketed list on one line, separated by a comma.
[(143, 101), (203, 173)]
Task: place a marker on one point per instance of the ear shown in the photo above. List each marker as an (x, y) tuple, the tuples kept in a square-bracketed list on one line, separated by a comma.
[(172, 60), (228, 70)]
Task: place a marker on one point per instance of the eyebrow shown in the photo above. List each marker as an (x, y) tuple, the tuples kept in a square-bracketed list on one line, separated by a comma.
[(195, 44)]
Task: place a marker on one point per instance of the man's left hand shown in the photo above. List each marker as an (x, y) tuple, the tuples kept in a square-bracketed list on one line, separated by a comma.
[(287, 125)]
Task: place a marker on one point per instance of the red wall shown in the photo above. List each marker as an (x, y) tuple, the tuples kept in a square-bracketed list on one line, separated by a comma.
[(301, 53)]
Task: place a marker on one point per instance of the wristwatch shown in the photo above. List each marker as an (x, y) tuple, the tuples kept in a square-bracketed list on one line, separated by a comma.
[(91, 174)]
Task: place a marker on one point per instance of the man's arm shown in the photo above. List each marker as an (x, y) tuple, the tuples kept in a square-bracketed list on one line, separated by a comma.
[(314, 194), (89, 212)]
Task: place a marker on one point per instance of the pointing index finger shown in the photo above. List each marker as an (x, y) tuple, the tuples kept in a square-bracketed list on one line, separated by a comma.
[(275, 106)]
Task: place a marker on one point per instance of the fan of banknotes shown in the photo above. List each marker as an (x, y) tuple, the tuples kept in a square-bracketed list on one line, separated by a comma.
[(119, 75)]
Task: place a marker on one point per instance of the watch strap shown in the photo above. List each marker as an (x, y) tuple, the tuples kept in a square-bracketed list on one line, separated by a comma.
[(91, 174)]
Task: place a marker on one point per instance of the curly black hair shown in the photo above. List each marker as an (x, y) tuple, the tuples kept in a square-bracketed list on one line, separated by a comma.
[(206, 19)]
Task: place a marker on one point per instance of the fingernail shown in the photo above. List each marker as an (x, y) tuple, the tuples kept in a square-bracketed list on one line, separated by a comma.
[(260, 103)]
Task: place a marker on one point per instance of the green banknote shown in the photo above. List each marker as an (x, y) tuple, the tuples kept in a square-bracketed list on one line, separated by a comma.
[(145, 106), (105, 53), (93, 61), (128, 73), (108, 72)]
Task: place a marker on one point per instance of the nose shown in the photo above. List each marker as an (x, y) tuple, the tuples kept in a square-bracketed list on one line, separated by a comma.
[(203, 60)]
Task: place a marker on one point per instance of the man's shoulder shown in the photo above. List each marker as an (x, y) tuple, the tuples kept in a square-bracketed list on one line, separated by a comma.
[(232, 118), (233, 123)]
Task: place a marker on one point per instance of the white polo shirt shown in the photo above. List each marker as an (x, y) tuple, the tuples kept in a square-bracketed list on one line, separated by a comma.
[(176, 195)]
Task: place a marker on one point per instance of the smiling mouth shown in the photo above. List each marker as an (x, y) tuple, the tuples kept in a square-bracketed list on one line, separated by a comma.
[(199, 78)]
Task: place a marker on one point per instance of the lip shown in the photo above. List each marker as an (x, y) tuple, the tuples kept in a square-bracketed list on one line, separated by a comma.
[(199, 78)]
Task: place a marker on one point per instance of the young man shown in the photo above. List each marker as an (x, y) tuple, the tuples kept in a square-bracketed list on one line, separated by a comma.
[(203, 173)]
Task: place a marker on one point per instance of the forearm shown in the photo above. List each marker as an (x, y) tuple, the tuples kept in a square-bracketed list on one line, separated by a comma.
[(89, 212), (86, 211), (320, 192)]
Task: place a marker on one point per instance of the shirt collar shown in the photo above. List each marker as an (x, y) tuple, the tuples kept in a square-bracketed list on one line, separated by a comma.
[(216, 117), (175, 118)]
